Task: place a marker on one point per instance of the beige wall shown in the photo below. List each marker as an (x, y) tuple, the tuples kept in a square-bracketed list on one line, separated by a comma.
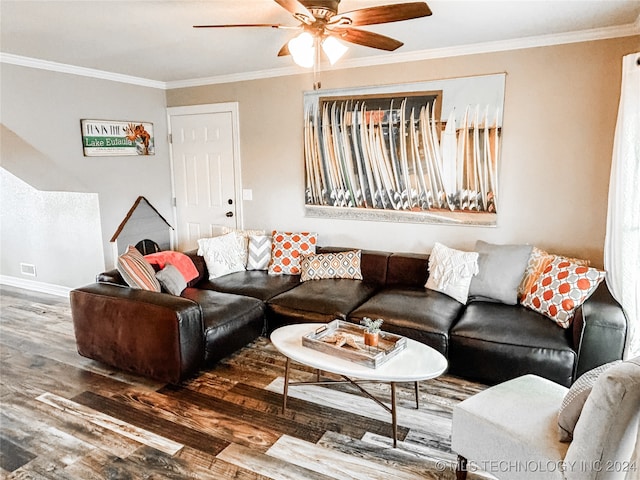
[(559, 118), (42, 146)]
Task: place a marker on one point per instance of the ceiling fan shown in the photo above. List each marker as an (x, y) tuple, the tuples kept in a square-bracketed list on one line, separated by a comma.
[(323, 25)]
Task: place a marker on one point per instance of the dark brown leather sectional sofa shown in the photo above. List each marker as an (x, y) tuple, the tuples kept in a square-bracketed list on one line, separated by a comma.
[(170, 338)]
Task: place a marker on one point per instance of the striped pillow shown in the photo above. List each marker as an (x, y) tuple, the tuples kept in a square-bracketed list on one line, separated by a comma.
[(136, 271)]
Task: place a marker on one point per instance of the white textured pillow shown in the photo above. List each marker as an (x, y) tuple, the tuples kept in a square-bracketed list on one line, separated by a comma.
[(451, 271), (224, 254)]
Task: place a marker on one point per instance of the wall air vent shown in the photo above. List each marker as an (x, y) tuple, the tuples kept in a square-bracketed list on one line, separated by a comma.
[(28, 269)]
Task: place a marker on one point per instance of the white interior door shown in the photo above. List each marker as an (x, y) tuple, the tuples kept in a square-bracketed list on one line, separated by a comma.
[(206, 174)]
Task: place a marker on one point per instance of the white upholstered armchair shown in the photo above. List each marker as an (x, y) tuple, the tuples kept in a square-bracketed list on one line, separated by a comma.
[(511, 430)]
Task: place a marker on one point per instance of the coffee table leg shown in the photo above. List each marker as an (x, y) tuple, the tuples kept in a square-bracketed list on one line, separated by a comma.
[(417, 396), (394, 419), (286, 386)]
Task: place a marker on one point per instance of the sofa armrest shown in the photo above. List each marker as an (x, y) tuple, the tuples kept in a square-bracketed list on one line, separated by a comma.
[(111, 276), (154, 334), (599, 331)]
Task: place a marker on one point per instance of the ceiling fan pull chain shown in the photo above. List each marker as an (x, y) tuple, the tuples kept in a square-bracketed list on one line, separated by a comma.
[(316, 64)]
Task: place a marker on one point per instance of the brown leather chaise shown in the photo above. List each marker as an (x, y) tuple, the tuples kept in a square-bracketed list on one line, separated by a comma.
[(159, 335)]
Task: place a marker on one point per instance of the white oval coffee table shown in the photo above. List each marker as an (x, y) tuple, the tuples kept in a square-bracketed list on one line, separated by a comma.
[(415, 363)]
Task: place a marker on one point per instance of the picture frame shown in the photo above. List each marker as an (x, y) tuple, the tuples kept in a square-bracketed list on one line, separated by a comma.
[(425, 152), (108, 138)]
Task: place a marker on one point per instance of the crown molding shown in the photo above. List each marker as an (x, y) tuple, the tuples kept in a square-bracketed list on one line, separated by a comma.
[(460, 50), (469, 49), (502, 45), (81, 71), (237, 77)]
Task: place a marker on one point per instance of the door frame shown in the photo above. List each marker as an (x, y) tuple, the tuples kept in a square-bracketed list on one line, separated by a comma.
[(233, 108)]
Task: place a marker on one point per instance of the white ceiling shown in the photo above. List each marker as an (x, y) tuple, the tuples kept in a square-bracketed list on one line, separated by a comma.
[(154, 39)]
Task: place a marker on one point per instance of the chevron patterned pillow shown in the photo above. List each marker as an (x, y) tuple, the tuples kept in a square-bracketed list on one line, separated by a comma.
[(259, 252)]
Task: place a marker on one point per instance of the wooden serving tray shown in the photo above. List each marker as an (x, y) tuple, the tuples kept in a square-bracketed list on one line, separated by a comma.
[(388, 347)]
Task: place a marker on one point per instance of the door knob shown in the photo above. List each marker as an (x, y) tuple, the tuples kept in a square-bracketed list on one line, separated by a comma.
[(229, 214)]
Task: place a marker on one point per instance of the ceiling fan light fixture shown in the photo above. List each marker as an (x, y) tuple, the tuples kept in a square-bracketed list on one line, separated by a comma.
[(302, 49), (334, 49)]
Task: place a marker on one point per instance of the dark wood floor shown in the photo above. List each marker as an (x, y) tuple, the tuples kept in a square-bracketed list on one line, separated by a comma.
[(67, 417)]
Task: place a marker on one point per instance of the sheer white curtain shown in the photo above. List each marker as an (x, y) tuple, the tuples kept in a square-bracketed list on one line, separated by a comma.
[(622, 241)]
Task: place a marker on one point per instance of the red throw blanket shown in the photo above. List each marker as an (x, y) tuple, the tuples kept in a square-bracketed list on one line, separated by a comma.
[(178, 259)]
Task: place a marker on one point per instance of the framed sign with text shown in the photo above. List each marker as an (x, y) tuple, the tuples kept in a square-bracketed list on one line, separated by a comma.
[(105, 138)]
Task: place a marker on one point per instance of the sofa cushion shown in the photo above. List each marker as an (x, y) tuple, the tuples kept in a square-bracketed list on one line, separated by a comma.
[(495, 342), (373, 263), (408, 269), (136, 271), (418, 313), (252, 283), (318, 301), (229, 321), (319, 266), (500, 271)]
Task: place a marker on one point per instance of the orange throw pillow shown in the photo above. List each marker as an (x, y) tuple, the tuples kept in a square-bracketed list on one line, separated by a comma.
[(286, 250), (562, 287)]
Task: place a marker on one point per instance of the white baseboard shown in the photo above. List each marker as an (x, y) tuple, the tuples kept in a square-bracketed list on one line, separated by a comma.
[(41, 287)]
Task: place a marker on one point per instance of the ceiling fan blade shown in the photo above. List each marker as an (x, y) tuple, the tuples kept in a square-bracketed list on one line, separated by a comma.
[(385, 14), (368, 39), (297, 9), (284, 50), (272, 25)]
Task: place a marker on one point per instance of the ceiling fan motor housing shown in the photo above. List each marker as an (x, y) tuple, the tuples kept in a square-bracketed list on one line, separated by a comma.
[(321, 9)]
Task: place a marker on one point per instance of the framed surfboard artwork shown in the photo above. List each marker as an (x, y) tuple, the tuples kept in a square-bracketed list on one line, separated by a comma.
[(421, 152)]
